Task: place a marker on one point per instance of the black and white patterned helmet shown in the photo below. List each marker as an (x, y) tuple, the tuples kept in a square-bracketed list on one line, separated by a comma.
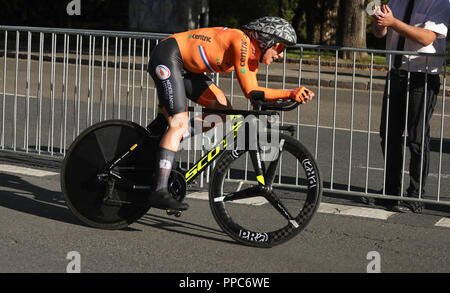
[(269, 30)]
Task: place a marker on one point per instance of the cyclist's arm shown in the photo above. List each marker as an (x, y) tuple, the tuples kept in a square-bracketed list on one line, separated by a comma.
[(246, 73)]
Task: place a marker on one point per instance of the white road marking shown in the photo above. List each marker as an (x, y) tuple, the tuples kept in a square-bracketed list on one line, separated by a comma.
[(19, 95), (325, 208), (444, 222), (440, 115), (443, 176), (337, 209), (35, 97), (25, 171)]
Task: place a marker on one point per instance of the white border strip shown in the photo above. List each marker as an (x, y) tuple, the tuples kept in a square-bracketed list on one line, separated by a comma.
[(25, 171), (336, 209), (444, 222), (324, 208)]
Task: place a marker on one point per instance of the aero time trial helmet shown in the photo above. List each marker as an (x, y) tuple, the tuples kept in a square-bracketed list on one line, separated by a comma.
[(270, 30)]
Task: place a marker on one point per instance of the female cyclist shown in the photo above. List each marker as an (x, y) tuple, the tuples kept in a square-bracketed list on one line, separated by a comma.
[(177, 66)]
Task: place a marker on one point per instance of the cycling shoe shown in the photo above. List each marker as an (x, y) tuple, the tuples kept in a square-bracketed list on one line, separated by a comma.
[(162, 199)]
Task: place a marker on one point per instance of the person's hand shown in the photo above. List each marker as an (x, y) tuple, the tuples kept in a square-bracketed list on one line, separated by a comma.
[(386, 18), (301, 95)]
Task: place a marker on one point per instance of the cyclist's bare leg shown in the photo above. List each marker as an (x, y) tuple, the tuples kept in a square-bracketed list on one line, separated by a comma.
[(178, 125), (161, 198)]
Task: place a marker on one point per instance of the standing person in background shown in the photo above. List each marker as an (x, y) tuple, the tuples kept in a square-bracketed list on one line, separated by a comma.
[(421, 26)]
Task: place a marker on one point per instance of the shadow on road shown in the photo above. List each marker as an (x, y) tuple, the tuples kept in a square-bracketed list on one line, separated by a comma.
[(34, 200), (22, 196), (178, 226)]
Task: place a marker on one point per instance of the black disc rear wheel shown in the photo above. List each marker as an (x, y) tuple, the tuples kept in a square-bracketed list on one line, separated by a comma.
[(100, 205)]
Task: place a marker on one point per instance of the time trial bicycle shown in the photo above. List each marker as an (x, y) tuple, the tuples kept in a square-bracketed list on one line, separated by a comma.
[(110, 170)]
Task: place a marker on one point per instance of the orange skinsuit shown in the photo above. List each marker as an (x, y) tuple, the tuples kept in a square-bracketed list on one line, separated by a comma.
[(220, 49)]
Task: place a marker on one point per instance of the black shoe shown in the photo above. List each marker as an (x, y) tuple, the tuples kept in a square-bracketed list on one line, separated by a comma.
[(162, 199), (368, 200), (408, 207), (389, 204)]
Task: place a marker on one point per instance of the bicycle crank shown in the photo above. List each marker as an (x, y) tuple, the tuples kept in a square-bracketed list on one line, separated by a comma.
[(177, 187)]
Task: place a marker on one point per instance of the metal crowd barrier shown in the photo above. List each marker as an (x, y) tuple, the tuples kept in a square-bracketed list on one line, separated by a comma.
[(54, 83)]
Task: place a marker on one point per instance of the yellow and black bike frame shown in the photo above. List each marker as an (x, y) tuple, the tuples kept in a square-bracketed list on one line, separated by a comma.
[(237, 118), (112, 179)]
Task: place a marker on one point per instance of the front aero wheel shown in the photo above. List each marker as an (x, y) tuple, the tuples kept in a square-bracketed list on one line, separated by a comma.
[(271, 217)]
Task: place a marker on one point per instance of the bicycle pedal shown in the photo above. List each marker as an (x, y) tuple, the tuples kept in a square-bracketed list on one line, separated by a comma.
[(174, 213)]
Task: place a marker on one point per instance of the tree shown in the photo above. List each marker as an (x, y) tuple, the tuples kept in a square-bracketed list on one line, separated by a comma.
[(320, 19), (353, 27)]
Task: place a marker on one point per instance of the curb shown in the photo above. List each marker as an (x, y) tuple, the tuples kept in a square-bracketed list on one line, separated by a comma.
[(358, 85), (31, 159), (340, 65)]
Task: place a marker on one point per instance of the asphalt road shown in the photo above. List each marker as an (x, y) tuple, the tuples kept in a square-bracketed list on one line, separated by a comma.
[(38, 232)]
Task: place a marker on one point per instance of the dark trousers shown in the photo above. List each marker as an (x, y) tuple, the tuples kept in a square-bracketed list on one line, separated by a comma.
[(397, 100)]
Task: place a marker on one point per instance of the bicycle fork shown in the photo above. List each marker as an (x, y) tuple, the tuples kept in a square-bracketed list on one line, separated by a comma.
[(266, 178)]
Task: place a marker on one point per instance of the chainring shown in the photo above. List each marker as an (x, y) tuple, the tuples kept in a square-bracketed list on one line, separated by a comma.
[(177, 185)]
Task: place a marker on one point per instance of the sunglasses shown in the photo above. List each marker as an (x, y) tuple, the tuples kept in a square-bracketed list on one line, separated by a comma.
[(279, 47)]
